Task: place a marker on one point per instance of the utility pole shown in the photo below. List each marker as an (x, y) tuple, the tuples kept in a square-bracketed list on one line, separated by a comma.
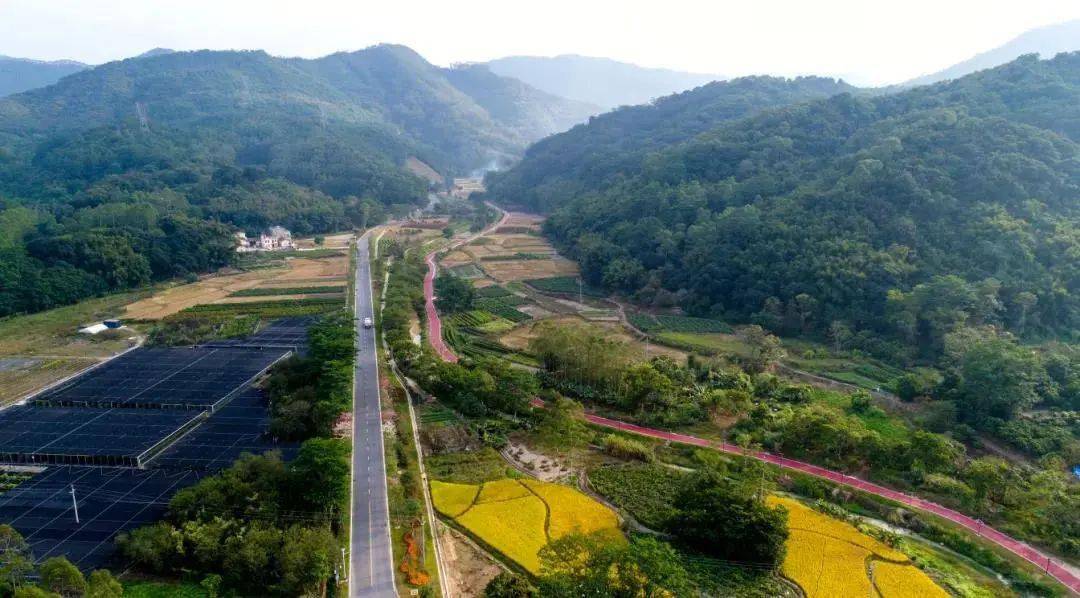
[(75, 503), (580, 297)]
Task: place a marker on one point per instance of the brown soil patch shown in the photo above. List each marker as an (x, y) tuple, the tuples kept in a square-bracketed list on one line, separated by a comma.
[(216, 288), (207, 290), (423, 170), (332, 241), (261, 298), (528, 269), (468, 569), (315, 268)]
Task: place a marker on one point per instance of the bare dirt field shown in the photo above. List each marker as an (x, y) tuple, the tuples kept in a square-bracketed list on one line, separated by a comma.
[(529, 269), (207, 290), (216, 288), (468, 569), (330, 241), (262, 298)]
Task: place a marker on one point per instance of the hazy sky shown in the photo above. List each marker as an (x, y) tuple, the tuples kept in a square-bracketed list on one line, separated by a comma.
[(866, 41)]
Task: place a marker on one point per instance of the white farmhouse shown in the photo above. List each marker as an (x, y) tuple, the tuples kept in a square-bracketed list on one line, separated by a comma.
[(276, 238)]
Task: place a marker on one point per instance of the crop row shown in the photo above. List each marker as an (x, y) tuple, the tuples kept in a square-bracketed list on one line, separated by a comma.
[(265, 309), (503, 308), (521, 255), (568, 285), (492, 292)]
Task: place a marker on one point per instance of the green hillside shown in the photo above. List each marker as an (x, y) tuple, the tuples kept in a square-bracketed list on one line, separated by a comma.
[(903, 216), (96, 169), (613, 145)]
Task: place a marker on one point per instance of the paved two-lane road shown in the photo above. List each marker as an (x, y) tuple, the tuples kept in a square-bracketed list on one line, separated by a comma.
[(371, 564)]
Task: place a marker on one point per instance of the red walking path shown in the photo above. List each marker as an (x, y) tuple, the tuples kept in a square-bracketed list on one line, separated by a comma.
[(1042, 560), (434, 324)]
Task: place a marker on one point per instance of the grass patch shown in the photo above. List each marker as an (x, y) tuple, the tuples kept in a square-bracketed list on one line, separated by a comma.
[(467, 271), (47, 331), (474, 467), (645, 491), (704, 343), (668, 323), (492, 292)]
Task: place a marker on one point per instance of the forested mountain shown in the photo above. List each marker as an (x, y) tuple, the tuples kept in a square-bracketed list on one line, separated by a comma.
[(21, 74), (103, 173), (900, 216), (612, 145), (601, 81), (1046, 41)]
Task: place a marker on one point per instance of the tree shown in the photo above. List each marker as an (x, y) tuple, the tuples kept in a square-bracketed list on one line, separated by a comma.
[(60, 576), (320, 240), (765, 348), (454, 294), (101, 584), (34, 592), (448, 232), (730, 521), (212, 584), (578, 565), (646, 389), (840, 334), (992, 375), (307, 560), (156, 547), (508, 585), (16, 560), (562, 425), (988, 477), (319, 476)]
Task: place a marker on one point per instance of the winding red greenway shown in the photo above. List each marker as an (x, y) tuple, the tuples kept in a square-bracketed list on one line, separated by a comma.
[(1036, 557)]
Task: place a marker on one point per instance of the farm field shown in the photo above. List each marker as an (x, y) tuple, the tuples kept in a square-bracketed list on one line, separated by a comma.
[(666, 323), (828, 557), (39, 349), (517, 518), (254, 285)]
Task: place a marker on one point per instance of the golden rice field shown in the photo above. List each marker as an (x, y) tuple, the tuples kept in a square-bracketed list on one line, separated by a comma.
[(519, 517), (830, 558), (453, 499)]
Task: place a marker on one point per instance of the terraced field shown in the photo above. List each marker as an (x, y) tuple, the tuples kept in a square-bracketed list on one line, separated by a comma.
[(517, 518), (828, 557)]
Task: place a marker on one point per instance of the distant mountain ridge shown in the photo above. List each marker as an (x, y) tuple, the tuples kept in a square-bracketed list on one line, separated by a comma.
[(601, 81), (388, 91), (1046, 41), (20, 74)]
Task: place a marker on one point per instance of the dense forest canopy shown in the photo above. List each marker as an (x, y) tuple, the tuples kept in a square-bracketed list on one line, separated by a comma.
[(141, 169), (612, 146), (907, 215)]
